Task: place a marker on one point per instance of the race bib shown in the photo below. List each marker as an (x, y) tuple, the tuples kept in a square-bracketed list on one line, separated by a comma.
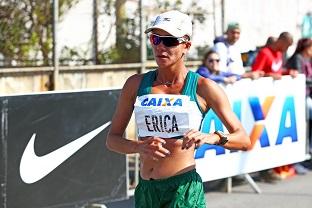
[(162, 115)]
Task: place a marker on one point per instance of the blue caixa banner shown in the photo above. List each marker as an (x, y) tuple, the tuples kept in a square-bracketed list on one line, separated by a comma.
[(53, 151), (273, 114)]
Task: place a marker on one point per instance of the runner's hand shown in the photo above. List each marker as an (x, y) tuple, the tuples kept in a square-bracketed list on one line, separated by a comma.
[(153, 147), (197, 138)]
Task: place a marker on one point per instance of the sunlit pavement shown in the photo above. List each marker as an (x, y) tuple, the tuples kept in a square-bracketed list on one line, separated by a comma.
[(294, 192)]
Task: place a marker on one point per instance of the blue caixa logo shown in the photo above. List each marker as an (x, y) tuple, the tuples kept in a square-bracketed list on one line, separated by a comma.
[(259, 131), (166, 101)]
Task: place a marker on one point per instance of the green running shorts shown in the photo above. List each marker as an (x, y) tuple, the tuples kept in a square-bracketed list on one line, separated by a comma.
[(181, 191)]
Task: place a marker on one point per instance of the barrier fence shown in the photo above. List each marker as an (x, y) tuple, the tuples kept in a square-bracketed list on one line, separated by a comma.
[(273, 114), (53, 150), (38, 79)]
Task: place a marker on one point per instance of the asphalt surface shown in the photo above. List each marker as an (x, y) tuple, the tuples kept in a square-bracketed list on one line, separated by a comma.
[(293, 192)]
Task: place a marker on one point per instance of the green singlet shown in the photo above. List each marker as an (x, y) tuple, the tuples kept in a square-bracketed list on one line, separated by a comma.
[(180, 191)]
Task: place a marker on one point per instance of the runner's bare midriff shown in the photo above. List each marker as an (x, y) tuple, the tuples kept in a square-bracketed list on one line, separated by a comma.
[(179, 161)]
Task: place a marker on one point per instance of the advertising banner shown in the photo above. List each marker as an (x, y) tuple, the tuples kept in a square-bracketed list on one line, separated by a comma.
[(273, 114), (53, 151)]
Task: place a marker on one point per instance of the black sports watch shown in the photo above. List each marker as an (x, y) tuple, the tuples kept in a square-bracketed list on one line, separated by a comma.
[(223, 138)]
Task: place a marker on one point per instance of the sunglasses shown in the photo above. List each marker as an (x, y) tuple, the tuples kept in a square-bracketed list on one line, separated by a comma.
[(168, 41), (213, 60)]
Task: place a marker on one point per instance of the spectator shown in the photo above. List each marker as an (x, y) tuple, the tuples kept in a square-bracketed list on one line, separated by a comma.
[(301, 61), (306, 27), (211, 69), (226, 47), (270, 58), (230, 55), (270, 41)]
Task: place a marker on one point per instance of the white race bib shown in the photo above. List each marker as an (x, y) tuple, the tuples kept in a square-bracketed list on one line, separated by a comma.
[(162, 115)]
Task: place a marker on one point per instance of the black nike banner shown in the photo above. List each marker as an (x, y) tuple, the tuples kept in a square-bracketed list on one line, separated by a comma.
[(53, 151)]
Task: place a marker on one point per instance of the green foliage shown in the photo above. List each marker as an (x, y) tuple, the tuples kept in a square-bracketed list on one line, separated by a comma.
[(127, 49), (110, 56), (165, 5), (26, 30), (196, 11), (74, 56), (127, 46)]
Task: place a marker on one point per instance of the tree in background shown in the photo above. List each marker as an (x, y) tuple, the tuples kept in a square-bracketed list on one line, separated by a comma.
[(127, 38), (26, 30), (127, 47)]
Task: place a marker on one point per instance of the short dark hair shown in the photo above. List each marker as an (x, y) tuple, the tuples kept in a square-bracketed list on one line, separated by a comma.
[(286, 36), (302, 44), (208, 53)]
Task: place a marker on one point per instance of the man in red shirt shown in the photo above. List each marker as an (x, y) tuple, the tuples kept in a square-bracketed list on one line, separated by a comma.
[(270, 58)]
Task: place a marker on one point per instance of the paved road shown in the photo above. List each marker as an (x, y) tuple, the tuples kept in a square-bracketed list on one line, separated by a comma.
[(294, 192)]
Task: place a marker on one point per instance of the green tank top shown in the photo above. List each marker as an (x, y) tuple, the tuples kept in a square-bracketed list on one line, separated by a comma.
[(189, 88), (167, 115)]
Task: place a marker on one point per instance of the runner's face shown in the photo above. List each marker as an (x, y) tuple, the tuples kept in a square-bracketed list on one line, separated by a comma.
[(168, 56)]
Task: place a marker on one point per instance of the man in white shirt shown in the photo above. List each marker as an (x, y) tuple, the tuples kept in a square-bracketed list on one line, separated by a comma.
[(230, 55)]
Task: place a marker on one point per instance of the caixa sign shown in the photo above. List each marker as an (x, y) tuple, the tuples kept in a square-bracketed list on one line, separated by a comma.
[(273, 115), (285, 131)]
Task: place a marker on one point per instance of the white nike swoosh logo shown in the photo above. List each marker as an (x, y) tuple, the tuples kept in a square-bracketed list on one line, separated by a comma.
[(276, 65), (33, 167)]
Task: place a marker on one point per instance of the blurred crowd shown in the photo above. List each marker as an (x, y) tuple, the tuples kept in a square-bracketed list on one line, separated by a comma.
[(224, 63)]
